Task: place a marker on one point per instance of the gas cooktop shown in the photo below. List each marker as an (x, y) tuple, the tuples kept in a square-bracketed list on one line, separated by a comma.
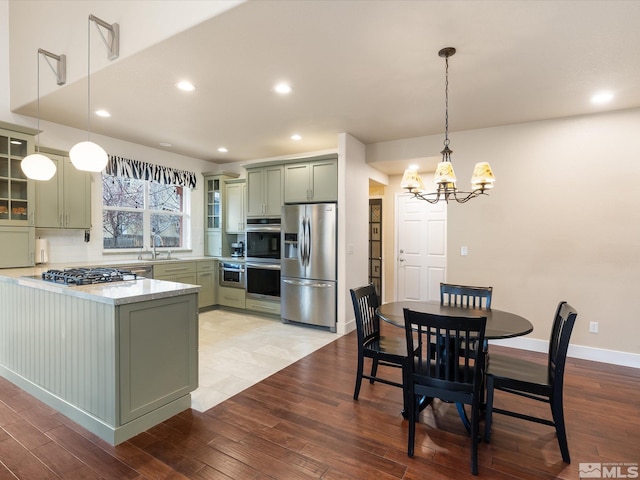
[(87, 276)]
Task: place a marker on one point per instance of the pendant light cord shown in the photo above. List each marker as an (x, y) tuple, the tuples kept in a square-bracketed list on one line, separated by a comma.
[(89, 79), (38, 102)]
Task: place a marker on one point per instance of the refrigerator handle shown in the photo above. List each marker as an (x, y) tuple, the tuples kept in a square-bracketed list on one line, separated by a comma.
[(303, 247), (308, 240)]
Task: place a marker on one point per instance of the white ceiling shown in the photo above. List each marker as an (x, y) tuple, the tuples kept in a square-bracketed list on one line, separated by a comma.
[(369, 68)]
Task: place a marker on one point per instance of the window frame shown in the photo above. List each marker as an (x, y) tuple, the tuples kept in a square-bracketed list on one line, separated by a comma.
[(146, 218)]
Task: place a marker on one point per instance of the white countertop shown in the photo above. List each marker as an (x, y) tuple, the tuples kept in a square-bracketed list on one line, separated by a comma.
[(116, 293)]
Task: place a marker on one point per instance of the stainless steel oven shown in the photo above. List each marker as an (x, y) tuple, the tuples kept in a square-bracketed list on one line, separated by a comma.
[(263, 240), (263, 280), (231, 275)]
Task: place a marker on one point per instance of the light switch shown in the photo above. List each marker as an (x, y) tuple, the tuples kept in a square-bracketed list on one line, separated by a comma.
[(464, 251)]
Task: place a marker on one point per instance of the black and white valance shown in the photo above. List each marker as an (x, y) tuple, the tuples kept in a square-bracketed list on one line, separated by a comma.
[(124, 167)]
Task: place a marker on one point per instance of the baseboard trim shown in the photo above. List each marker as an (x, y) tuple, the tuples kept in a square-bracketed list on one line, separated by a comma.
[(575, 351)]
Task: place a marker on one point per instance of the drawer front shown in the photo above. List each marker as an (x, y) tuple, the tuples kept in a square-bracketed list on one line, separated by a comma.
[(173, 268), (263, 306), (206, 266), (231, 297)]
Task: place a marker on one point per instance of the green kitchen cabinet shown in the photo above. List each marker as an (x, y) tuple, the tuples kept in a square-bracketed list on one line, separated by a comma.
[(17, 192), (214, 202), (206, 277), (176, 271), (65, 200), (311, 181), (235, 206), (265, 193)]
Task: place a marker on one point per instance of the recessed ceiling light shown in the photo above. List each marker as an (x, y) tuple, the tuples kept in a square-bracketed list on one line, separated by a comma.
[(165, 144), (296, 137), (186, 86), (103, 113), (223, 150), (282, 88), (602, 97)]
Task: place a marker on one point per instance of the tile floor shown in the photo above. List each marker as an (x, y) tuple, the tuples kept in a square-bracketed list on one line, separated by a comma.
[(238, 349)]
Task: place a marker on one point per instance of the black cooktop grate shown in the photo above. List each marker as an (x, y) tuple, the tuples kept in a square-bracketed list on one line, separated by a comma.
[(87, 276)]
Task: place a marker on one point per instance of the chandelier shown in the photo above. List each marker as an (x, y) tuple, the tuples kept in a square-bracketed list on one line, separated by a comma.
[(482, 178)]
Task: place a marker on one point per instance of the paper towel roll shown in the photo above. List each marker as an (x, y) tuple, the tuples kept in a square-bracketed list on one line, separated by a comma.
[(42, 250)]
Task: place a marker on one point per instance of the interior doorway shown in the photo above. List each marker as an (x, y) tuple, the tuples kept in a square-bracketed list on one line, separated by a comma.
[(375, 244), (421, 240)]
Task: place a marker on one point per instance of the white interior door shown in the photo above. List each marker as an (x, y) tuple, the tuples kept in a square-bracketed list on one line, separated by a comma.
[(421, 256)]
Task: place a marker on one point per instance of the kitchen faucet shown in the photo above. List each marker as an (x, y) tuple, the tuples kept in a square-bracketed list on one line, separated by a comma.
[(154, 243)]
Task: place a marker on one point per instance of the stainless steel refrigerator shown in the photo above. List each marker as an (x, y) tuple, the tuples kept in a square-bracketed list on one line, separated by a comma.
[(309, 264)]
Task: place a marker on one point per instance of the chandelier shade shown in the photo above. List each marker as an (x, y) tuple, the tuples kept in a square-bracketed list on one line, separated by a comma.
[(411, 179), (444, 177)]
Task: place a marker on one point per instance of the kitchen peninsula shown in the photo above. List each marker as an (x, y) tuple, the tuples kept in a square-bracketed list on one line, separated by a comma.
[(117, 358)]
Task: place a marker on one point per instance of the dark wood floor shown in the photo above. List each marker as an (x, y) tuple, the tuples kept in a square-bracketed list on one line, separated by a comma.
[(302, 423)]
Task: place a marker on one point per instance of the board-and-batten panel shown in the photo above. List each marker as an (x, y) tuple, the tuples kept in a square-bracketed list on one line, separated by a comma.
[(63, 344)]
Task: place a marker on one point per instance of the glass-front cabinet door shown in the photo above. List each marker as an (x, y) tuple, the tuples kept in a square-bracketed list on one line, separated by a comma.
[(213, 204), (16, 191)]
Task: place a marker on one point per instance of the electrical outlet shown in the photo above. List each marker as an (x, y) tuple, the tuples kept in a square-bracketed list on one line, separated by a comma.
[(464, 251), (593, 327)]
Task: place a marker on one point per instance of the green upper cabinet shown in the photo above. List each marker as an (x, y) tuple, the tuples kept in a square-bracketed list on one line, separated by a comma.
[(65, 200), (235, 208), (311, 181), (264, 191), (17, 193)]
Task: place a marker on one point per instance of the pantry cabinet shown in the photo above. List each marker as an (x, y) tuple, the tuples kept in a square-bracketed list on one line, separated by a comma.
[(265, 193), (311, 181), (65, 200)]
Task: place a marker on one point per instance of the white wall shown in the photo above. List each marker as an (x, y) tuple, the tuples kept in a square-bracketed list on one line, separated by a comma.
[(353, 230), (563, 223)]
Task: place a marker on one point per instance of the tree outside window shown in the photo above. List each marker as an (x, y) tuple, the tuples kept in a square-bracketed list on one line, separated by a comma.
[(135, 210)]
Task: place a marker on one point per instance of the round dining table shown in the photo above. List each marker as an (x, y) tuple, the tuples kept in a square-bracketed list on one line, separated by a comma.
[(500, 325)]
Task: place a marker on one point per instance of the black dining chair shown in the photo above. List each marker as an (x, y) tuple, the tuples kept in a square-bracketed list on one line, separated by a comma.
[(541, 382), (465, 296), (387, 351), (442, 367)]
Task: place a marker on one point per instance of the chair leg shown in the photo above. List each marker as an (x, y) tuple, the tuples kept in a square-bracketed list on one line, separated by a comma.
[(374, 369), (413, 412), (475, 432), (557, 413), (356, 392), (489, 409)]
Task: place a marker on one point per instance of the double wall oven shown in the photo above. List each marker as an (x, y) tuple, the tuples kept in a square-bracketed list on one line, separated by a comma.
[(262, 266)]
